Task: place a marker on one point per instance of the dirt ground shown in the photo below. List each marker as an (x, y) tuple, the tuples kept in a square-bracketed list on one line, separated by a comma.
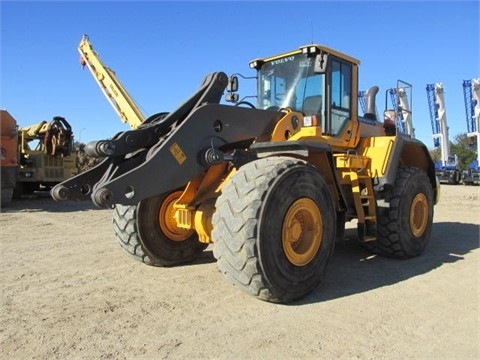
[(70, 292)]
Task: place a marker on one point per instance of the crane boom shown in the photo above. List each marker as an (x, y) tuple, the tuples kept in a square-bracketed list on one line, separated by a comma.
[(394, 96), (469, 106), (111, 87), (442, 119), (438, 115), (432, 107), (401, 98), (362, 101), (476, 97), (447, 170), (471, 94), (405, 111)]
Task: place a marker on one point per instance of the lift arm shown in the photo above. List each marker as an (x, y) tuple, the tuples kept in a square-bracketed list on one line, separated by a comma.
[(111, 87)]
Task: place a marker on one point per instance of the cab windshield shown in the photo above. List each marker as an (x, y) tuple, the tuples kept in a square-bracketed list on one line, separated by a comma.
[(291, 82)]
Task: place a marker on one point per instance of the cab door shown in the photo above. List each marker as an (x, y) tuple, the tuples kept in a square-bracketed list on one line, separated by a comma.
[(341, 124)]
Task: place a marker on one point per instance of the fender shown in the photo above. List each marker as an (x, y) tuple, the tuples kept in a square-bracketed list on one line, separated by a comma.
[(390, 152), (317, 153)]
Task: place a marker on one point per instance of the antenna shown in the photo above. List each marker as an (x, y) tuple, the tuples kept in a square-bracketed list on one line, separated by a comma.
[(311, 26)]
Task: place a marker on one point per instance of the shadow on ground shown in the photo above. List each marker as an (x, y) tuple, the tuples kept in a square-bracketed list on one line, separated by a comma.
[(354, 270)]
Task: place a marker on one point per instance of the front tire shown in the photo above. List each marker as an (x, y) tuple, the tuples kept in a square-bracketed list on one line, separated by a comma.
[(403, 228), (148, 232), (274, 229)]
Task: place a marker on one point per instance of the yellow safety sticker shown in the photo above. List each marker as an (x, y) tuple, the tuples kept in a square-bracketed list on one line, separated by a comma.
[(178, 153)]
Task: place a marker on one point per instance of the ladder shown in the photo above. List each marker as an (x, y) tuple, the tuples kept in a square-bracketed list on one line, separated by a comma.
[(356, 168)]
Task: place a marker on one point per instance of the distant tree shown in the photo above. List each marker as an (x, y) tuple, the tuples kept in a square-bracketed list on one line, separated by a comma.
[(465, 149)]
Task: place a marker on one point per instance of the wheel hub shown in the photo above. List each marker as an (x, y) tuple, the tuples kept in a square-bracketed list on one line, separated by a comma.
[(167, 222), (296, 232), (302, 230), (419, 215)]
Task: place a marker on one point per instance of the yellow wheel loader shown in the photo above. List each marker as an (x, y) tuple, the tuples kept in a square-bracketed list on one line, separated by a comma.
[(271, 185)]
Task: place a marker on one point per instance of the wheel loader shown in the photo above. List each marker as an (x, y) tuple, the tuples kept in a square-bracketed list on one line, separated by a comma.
[(270, 185)]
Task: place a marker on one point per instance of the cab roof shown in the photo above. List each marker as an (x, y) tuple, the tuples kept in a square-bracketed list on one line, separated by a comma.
[(310, 48)]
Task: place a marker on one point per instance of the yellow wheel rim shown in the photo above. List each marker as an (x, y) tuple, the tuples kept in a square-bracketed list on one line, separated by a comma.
[(419, 215), (302, 232), (167, 222)]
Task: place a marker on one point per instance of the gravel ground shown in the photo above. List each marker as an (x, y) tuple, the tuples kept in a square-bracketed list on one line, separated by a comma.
[(70, 292)]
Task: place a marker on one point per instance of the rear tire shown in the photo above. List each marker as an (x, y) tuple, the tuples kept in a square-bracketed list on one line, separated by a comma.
[(274, 229), (148, 232), (403, 228)]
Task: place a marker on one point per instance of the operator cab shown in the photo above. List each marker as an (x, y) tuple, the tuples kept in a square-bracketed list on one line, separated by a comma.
[(313, 80)]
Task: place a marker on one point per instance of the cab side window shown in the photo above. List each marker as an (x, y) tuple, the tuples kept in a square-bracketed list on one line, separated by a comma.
[(340, 99)]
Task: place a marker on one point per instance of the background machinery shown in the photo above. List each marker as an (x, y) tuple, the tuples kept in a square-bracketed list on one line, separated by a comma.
[(35, 157), (447, 169), (116, 94), (401, 98), (9, 161), (271, 185), (471, 94), (400, 117), (46, 155)]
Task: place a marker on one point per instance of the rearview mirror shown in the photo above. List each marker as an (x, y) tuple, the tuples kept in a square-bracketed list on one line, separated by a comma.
[(320, 63), (231, 97), (232, 84)]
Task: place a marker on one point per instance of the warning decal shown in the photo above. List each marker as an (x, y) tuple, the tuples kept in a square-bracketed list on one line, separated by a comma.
[(178, 153)]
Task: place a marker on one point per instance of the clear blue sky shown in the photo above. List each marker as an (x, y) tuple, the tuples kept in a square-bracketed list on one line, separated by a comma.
[(162, 50)]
